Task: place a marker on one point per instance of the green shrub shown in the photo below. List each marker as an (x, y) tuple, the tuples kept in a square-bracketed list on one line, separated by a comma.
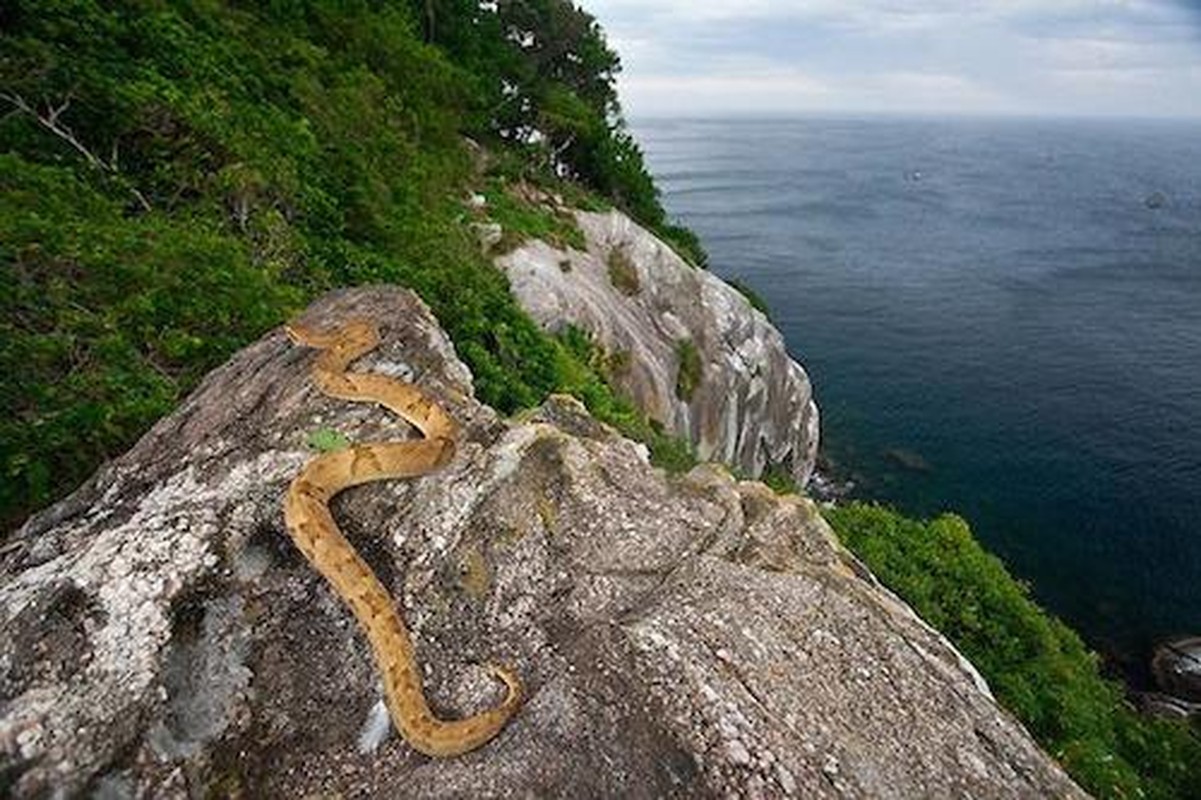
[(683, 241), (576, 196), (584, 364), (688, 373), (779, 478), (104, 320), (1037, 666), (757, 302), (622, 273), (672, 453), (528, 220)]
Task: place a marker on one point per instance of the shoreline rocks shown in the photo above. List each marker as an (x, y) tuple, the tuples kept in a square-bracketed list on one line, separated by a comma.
[(1176, 667)]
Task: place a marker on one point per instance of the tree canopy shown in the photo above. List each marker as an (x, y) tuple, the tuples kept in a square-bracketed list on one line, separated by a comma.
[(544, 79)]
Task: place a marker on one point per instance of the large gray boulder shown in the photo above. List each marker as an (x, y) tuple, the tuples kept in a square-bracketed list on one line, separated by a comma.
[(693, 636), (653, 313)]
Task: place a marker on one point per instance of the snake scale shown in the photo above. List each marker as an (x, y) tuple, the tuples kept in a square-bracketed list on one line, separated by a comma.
[(313, 529)]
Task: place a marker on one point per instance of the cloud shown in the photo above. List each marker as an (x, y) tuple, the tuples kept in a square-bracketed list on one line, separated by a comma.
[(750, 91), (782, 91), (1007, 56)]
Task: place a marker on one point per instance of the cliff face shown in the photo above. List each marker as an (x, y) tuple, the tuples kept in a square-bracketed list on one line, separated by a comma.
[(685, 346), (694, 636)]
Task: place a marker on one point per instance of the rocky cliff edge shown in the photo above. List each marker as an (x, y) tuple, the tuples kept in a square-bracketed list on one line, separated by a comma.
[(684, 345), (691, 636)]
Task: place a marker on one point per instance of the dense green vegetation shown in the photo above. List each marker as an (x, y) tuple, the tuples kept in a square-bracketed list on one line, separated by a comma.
[(522, 219), (106, 318), (176, 178), (1037, 666)]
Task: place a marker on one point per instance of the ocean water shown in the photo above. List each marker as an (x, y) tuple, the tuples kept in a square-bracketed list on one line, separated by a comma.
[(1001, 318)]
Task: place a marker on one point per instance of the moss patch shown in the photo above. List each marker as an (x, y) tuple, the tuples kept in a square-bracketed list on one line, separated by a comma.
[(671, 453), (779, 478), (616, 365), (327, 440)]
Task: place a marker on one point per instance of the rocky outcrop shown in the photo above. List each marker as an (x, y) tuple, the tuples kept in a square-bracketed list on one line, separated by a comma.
[(687, 348), (1177, 667), (690, 636)]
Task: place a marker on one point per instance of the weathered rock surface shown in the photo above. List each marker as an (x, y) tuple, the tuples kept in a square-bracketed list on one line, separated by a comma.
[(689, 636), (753, 405)]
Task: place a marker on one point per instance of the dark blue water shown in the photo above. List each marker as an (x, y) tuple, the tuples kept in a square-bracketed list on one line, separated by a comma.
[(1017, 304)]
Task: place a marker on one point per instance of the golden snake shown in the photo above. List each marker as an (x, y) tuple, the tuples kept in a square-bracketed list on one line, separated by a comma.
[(312, 528)]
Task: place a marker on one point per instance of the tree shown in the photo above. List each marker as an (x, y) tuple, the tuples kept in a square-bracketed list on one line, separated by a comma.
[(545, 77)]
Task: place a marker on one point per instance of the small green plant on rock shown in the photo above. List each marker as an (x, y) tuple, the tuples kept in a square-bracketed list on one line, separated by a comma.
[(616, 364), (779, 478), (689, 376), (754, 298), (622, 273), (327, 440), (671, 453)]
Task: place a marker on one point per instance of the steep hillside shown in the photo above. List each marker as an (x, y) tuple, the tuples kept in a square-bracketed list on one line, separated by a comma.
[(178, 177)]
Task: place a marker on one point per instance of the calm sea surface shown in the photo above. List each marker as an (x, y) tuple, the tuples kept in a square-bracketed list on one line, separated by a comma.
[(1001, 318)]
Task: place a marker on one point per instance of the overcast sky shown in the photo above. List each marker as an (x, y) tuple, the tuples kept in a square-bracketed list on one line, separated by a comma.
[(1110, 57)]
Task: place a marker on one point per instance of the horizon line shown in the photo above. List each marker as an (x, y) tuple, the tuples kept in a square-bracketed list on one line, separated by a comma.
[(1066, 116)]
